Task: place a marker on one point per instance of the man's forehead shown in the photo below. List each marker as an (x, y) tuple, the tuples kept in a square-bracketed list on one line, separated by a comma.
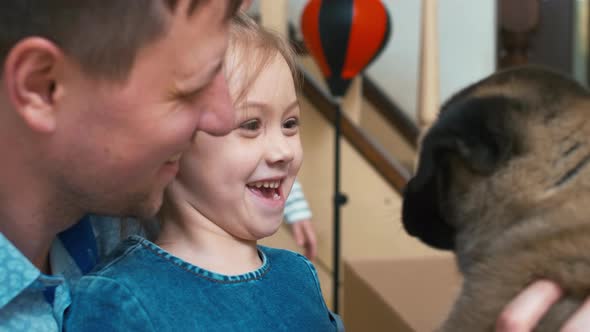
[(189, 7), (198, 43)]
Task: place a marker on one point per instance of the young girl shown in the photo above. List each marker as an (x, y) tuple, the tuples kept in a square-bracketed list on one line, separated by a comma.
[(205, 271)]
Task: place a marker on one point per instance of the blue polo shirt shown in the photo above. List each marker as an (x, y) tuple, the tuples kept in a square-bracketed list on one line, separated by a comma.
[(23, 303), (33, 301)]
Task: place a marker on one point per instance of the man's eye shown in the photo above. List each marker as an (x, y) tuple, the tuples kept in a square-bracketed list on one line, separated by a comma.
[(188, 96), (251, 125), (291, 123)]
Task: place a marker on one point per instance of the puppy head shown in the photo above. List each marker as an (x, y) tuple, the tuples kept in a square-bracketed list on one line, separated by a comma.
[(499, 150)]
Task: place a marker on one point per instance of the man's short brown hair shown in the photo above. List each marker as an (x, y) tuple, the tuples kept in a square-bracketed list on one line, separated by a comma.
[(104, 36)]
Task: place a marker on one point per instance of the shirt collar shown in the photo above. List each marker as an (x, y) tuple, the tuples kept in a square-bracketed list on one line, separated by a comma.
[(17, 273)]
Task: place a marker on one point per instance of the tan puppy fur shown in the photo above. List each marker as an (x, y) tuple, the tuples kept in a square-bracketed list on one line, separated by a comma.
[(504, 181)]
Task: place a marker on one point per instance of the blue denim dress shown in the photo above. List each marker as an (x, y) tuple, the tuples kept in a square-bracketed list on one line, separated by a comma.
[(144, 288)]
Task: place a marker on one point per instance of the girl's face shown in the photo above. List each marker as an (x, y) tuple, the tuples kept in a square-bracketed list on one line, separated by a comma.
[(240, 181)]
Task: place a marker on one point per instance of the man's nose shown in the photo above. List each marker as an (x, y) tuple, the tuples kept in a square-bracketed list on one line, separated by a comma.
[(218, 116)]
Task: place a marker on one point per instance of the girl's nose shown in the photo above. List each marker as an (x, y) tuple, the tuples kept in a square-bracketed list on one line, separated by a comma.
[(279, 150)]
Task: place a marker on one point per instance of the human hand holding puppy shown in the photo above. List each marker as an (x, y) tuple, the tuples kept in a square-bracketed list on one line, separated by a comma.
[(527, 309)]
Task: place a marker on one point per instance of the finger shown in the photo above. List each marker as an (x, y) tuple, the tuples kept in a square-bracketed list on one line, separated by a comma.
[(580, 321), (311, 242), (525, 311), (307, 252), (312, 251), (298, 234), (245, 5)]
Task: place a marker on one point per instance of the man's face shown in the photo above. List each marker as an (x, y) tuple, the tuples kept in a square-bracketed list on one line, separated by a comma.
[(122, 141)]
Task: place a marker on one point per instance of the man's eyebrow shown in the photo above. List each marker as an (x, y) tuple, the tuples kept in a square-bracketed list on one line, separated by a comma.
[(214, 71), (196, 81)]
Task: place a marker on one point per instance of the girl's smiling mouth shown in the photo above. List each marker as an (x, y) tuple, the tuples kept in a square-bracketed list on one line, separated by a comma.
[(269, 190)]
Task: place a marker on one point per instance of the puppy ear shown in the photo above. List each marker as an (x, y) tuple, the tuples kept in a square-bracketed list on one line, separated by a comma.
[(475, 131)]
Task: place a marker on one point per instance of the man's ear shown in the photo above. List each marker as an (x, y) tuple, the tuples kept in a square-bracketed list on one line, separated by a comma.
[(30, 79), (478, 133)]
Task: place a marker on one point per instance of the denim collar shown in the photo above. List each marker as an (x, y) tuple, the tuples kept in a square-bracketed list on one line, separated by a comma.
[(206, 274)]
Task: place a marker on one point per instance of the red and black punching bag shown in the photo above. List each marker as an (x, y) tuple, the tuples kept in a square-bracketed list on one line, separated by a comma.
[(344, 37)]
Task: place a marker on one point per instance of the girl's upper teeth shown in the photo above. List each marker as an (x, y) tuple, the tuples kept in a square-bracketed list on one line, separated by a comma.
[(266, 184)]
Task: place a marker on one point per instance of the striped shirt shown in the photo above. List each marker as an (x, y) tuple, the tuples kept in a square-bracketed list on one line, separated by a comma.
[(296, 206)]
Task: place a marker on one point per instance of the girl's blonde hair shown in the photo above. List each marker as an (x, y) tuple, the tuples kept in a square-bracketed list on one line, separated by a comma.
[(251, 49)]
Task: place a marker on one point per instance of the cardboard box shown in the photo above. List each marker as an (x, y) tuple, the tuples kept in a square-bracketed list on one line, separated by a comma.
[(405, 294)]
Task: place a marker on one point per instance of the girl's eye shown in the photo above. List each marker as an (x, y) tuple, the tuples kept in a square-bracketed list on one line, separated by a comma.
[(291, 123), (251, 125)]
